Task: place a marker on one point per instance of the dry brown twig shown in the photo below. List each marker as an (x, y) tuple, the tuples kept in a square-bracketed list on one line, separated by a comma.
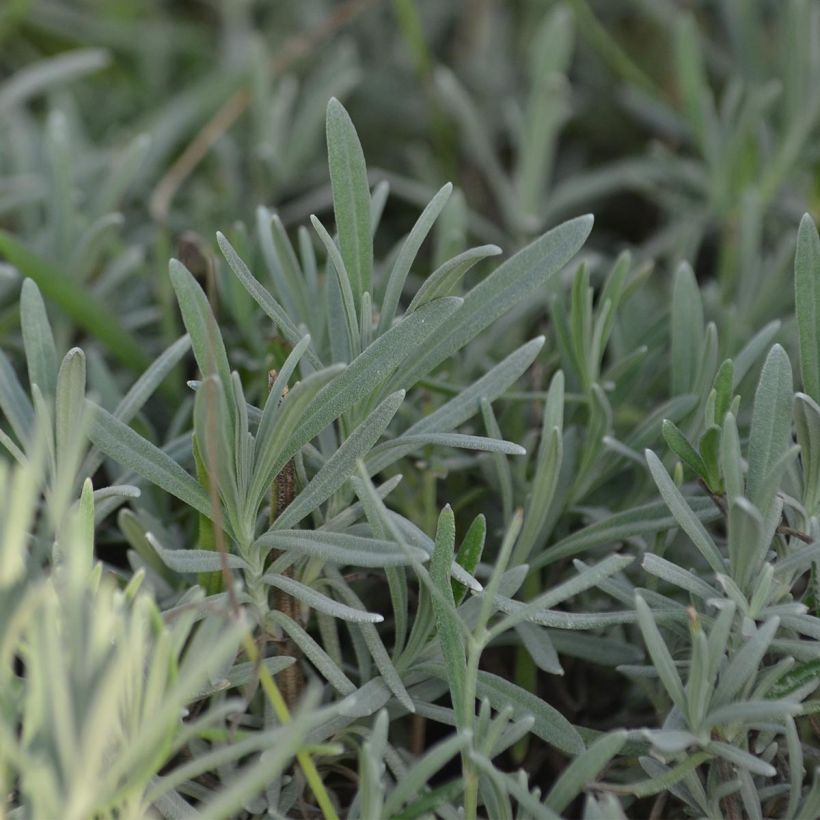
[(233, 108)]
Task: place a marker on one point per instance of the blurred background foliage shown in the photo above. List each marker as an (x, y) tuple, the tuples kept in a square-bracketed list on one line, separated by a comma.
[(689, 128)]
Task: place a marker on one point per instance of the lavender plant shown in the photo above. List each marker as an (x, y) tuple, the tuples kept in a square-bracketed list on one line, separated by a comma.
[(421, 528)]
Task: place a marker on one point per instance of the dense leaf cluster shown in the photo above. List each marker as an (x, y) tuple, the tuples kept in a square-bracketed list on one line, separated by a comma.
[(343, 516)]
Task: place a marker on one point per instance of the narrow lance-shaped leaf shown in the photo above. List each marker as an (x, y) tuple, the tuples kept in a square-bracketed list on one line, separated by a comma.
[(275, 449), (770, 434), (339, 548), (371, 368), (41, 353), (746, 541), (322, 603), (741, 671), (807, 423), (550, 725), (341, 465), (512, 282), (271, 409), (660, 655), (282, 263), (588, 577), (215, 443), (14, 401), (125, 446), (444, 279), (469, 554), (547, 470), (206, 338), (687, 331), (723, 383), (549, 56), (807, 304), (449, 633), (142, 389), (69, 404), (584, 769), (263, 298), (194, 561), (683, 449), (639, 521), (345, 285), (683, 513), (419, 775), (314, 653), (351, 197), (741, 758), (76, 302), (536, 640), (377, 650), (407, 254), (491, 385), (48, 73)]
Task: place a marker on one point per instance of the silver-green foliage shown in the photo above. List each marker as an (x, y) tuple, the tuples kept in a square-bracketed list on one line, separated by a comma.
[(155, 688)]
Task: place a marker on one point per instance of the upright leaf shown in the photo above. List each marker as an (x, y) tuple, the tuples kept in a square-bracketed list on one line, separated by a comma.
[(41, 353), (584, 769), (517, 279), (206, 338), (351, 197), (119, 442), (687, 331), (770, 434), (407, 255), (807, 304), (660, 655), (449, 633), (684, 514), (69, 402), (341, 465), (76, 302)]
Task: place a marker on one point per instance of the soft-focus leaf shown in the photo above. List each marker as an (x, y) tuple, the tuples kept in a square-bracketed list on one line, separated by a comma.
[(807, 304), (770, 433)]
